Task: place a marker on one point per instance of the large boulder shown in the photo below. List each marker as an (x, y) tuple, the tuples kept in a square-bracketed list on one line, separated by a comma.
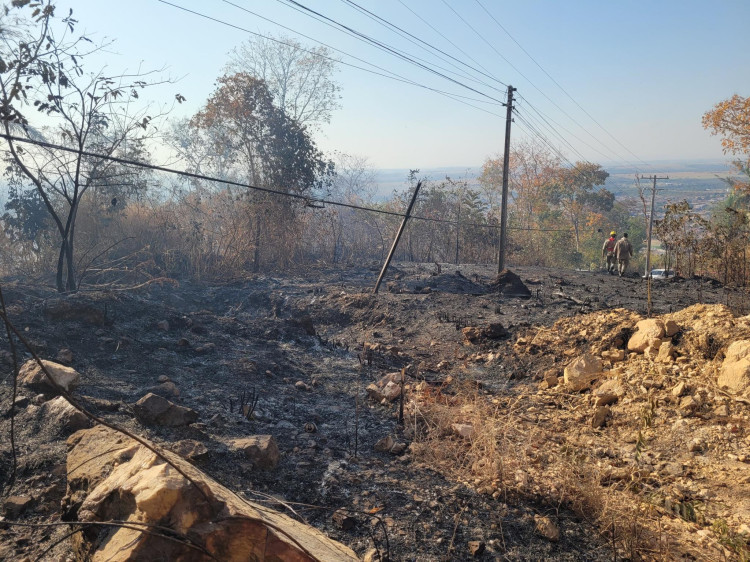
[(112, 477), (32, 376), (735, 370), (582, 371), (648, 332), (153, 409)]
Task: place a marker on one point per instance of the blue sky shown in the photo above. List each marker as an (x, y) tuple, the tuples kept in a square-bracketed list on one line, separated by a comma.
[(644, 70)]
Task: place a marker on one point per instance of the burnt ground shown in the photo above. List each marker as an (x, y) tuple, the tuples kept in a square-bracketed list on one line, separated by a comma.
[(262, 336)]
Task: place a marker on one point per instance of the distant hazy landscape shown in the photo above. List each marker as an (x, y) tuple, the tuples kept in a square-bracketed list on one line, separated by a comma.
[(698, 181)]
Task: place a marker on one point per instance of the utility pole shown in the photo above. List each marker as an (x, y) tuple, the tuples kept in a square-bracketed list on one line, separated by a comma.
[(651, 222), (504, 202)]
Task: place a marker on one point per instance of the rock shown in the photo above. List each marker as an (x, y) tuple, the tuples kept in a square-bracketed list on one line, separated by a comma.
[(153, 409), (666, 353), (609, 392), (613, 355), (647, 332), (162, 379), (64, 356), (600, 416), (14, 506), (721, 411), (679, 389), (688, 405), (471, 334), (476, 548), (32, 376), (374, 393), (735, 370), (166, 389), (191, 450), (261, 450), (391, 391), (64, 415), (546, 528), (385, 444), (301, 385), (371, 556), (463, 430), (113, 477), (551, 378), (581, 372), (398, 448), (162, 325), (671, 328), (696, 445)]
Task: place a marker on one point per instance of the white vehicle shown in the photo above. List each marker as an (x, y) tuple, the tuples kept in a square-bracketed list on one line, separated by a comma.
[(661, 273)]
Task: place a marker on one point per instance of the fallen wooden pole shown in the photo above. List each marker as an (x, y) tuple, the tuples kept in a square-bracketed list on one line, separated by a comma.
[(398, 236)]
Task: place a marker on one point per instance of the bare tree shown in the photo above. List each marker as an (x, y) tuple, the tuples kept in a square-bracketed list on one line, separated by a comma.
[(299, 78), (84, 113)]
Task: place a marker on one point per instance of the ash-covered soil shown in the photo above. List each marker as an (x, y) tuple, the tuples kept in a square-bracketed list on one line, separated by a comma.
[(296, 343)]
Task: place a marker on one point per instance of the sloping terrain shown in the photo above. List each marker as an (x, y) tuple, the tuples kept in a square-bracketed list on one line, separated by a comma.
[(497, 458)]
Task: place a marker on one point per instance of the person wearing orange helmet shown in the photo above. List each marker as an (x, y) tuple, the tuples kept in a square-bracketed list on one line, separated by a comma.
[(608, 251)]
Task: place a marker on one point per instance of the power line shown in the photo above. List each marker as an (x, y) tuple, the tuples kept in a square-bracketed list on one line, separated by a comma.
[(532, 83), (203, 177), (558, 85), (391, 75), (420, 42), (392, 50)]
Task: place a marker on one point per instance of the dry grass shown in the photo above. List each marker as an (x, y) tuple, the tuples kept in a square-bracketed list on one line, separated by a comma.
[(510, 454)]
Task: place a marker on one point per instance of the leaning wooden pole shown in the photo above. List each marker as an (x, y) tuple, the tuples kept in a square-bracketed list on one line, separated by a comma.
[(398, 236)]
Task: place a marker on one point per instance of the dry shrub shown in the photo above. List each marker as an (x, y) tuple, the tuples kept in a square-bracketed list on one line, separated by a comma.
[(508, 454)]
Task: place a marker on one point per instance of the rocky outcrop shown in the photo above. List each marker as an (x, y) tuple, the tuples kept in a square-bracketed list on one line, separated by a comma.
[(735, 370), (32, 376), (112, 477), (64, 416)]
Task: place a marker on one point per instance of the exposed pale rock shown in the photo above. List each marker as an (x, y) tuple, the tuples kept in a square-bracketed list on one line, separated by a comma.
[(162, 325), (613, 355), (735, 370), (581, 372), (166, 389), (391, 391), (113, 477), (647, 332), (679, 389), (666, 352), (546, 528), (374, 392), (476, 548), (32, 376), (153, 409), (64, 415), (609, 392), (261, 450)]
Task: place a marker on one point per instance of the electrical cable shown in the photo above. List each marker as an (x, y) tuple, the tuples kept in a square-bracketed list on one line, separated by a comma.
[(391, 50), (391, 75), (420, 42), (305, 198), (558, 85), (532, 83)]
